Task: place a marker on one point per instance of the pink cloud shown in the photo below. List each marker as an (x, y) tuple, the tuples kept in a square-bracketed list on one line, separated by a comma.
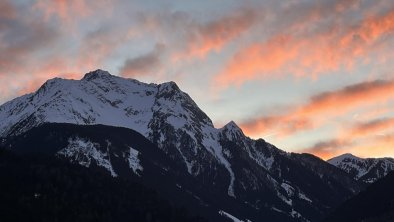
[(7, 11), (328, 104), (304, 52)]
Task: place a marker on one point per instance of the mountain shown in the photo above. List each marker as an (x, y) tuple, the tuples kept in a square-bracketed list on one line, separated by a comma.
[(375, 203), (367, 170), (219, 167)]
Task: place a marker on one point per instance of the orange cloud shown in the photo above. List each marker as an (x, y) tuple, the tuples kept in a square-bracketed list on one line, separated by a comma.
[(259, 58), (18, 85), (304, 52), (281, 125), (33, 84), (213, 35), (382, 147), (378, 146), (327, 104), (21, 83), (349, 97)]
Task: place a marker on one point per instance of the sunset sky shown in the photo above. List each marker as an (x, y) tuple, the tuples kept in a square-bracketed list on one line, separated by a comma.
[(307, 76)]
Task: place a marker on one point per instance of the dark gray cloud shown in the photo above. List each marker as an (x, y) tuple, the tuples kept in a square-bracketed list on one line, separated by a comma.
[(191, 37), (328, 145), (7, 12), (327, 148), (21, 36), (143, 64)]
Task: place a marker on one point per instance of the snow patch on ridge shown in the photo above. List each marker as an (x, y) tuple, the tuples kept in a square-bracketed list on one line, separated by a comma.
[(301, 195), (134, 162), (262, 160), (84, 152), (231, 217), (288, 188), (211, 143)]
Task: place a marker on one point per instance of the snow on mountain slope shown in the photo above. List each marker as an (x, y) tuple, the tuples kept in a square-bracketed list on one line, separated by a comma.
[(84, 152), (367, 170), (134, 162), (229, 216)]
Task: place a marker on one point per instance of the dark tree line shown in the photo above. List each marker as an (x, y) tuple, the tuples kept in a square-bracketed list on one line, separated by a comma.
[(375, 203), (43, 188)]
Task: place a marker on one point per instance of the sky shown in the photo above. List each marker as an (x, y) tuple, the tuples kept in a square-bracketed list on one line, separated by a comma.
[(306, 76)]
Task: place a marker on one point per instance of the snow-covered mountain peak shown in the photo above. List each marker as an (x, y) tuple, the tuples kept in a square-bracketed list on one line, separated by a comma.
[(169, 86), (232, 131), (232, 126), (51, 84), (97, 74), (170, 90), (101, 98), (347, 157)]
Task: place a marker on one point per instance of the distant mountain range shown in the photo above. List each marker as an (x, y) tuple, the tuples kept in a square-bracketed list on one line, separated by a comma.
[(156, 135), (367, 170)]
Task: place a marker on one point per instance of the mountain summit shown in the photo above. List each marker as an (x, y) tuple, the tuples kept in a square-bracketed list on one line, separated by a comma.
[(260, 178), (98, 74)]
